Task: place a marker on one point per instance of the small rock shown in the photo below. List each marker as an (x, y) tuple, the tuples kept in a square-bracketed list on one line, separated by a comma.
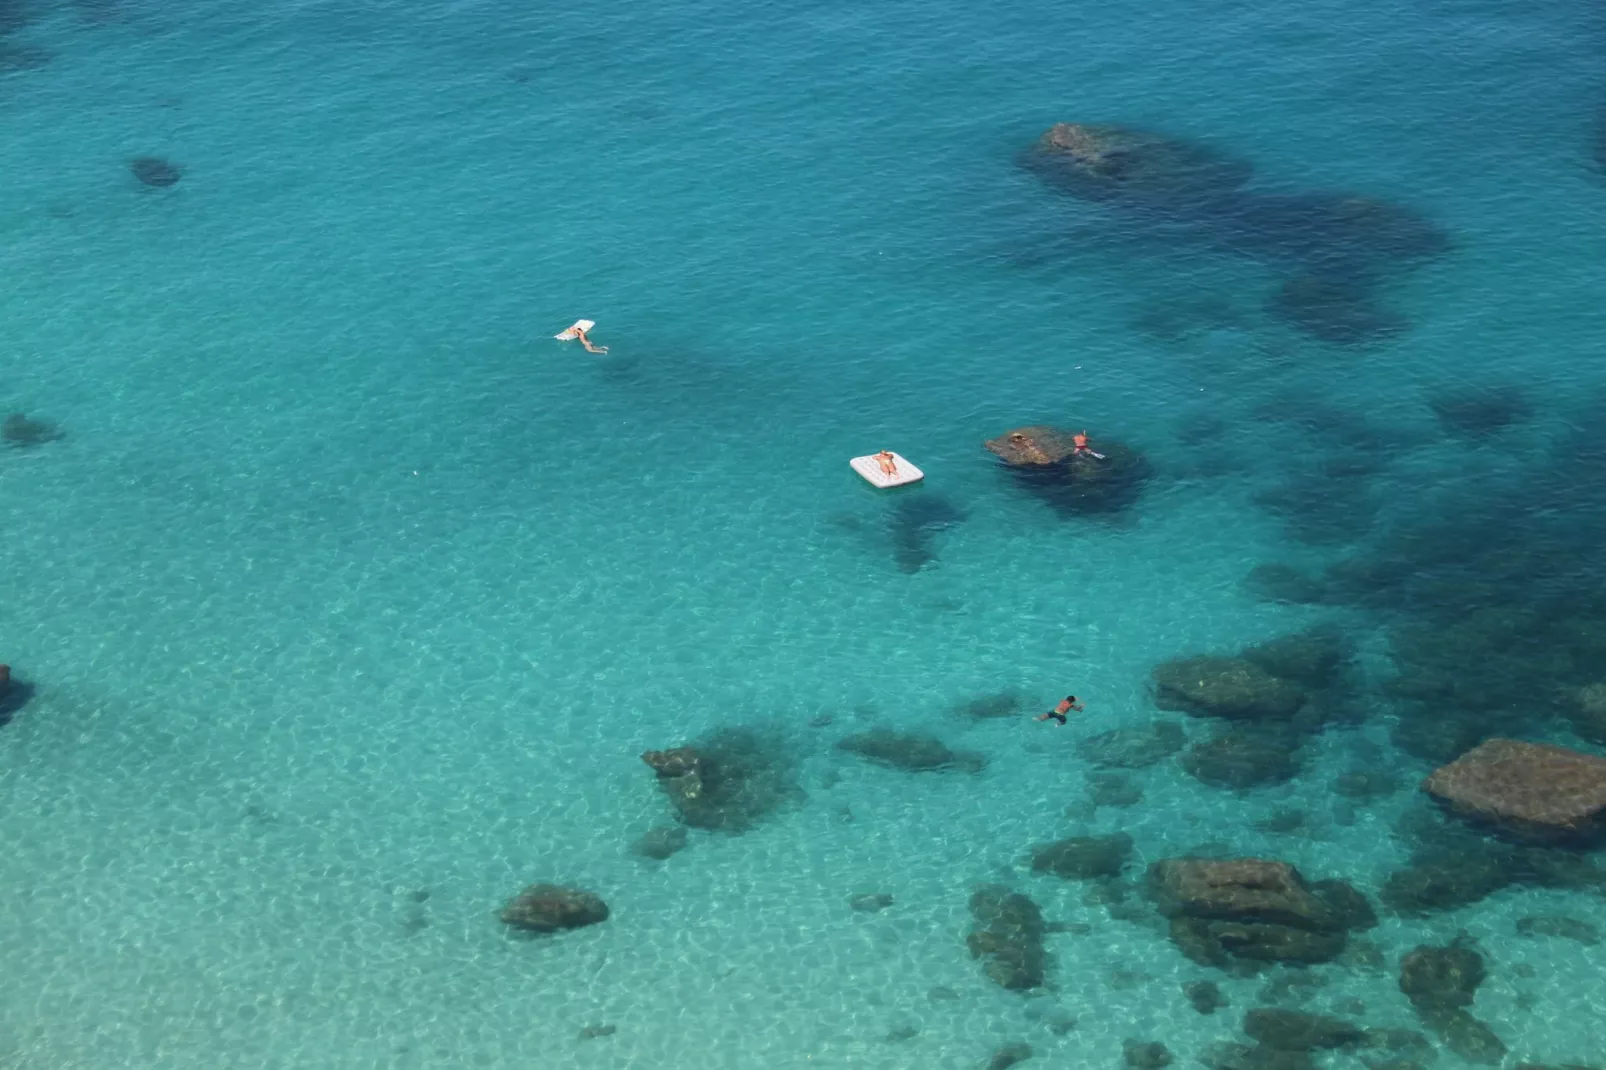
[(870, 902), (1083, 857), (942, 994), (592, 1032), (901, 1034), (1288, 1030)]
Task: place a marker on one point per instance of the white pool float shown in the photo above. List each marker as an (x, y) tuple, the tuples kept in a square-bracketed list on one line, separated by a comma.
[(903, 471)]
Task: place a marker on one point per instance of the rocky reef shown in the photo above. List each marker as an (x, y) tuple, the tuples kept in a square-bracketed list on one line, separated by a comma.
[(21, 432), (1336, 250), (155, 171)]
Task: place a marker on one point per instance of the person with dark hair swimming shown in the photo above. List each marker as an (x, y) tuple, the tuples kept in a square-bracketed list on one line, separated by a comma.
[(1068, 704)]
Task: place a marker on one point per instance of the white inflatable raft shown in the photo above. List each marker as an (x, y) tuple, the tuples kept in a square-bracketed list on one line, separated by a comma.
[(870, 469)]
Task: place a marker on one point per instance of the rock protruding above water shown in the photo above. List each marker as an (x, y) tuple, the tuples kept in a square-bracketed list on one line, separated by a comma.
[(548, 908), (729, 781), (1008, 937), (1103, 161), (155, 171), (1046, 462), (1531, 792), (912, 751), (1083, 858), (1244, 912)]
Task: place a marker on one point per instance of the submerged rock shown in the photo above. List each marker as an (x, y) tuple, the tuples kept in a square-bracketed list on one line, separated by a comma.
[(1010, 1055), (1134, 748), (1342, 311), (1234, 688), (870, 902), (661, 842), (1313, 658), (1474, 411), (1289, 1030), (1559, 926), (1083, 857), (1230, 1056), (729, 781), (547, 908), (1438, 979), (1008, 937), (1238, 761), (1530, 792), (155, 171), (912, 751), (1276, 582), (1204, 996), (1145, 1055), (18, 431), (1247, 911), (1102, 161)]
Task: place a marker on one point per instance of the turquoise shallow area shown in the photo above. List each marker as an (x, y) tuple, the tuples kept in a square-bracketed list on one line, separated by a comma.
[(347, 584)]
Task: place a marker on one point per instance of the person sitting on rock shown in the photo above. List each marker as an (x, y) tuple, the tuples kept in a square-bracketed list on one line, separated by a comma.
[(1067, 704), (1079, 445), (889, 465)]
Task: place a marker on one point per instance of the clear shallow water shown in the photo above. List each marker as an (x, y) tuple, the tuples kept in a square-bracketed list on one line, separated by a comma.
[(346, 583)]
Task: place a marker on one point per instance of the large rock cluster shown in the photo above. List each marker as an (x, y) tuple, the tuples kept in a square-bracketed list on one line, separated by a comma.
[(1241, 914)]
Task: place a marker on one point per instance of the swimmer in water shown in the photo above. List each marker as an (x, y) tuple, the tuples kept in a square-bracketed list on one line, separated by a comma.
[(580, 335), (1068, 704), (1079, 445), (889, 466)]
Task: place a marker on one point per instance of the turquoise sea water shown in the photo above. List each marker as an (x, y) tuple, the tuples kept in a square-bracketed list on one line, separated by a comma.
[(346, 584)]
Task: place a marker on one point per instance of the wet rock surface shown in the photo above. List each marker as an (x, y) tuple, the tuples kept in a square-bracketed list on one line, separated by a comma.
[(1531, 792), (549, 908), (1007, 936)]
